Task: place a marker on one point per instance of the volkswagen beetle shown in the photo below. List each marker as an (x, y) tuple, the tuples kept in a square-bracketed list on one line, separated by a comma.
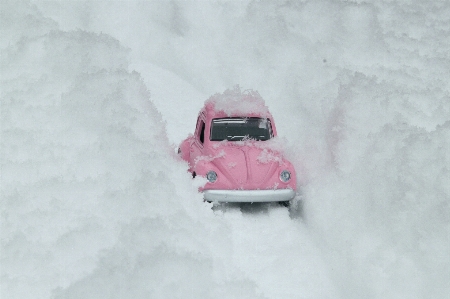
[(235, 147)]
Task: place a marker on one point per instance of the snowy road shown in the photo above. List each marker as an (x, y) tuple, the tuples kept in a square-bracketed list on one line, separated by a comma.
[(96, 95), (277, 252)]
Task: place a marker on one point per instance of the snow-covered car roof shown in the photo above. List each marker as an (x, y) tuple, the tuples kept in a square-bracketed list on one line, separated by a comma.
[(234, 102)]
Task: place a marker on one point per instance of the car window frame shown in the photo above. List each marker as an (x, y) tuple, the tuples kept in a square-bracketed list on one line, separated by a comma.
[(201, 126), (271, 130)]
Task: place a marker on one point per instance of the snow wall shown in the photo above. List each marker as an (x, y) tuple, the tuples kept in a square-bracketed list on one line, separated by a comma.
[(95, 204)]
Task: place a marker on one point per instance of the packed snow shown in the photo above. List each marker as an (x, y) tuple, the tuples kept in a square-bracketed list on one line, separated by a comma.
[(96, 96)]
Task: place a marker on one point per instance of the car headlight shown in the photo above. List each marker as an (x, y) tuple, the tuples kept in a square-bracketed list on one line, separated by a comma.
[(211, 176), (285, 176)]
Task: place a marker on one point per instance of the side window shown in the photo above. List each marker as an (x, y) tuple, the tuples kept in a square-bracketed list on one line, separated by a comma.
[(202, 132)]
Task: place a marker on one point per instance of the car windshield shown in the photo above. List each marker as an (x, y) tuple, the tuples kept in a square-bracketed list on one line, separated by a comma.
[(239, 128)]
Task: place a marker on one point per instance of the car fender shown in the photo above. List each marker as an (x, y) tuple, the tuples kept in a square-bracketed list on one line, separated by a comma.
[(184, 149)]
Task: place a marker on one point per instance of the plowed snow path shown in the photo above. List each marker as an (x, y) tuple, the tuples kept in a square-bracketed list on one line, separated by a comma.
[(276, 252)]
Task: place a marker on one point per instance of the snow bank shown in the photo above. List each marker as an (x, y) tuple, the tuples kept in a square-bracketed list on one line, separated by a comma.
[(373, 141), (90, 194), (381, 209)]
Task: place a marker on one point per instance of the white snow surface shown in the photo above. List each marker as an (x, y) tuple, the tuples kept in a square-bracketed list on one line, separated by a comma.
[(95, 96)]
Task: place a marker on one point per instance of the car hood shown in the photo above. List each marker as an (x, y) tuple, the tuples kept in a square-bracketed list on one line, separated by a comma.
[(248, 167)]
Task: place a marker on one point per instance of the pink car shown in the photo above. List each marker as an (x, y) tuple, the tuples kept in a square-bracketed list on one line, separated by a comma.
[(235, 148)]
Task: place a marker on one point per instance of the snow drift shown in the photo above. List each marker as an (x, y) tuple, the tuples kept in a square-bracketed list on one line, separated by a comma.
[(85, 158)]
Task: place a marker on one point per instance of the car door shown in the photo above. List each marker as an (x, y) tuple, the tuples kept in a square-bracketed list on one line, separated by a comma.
[(199, 139)]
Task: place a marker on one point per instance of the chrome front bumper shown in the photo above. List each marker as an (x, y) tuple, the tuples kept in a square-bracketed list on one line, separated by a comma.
[(248, 195)]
